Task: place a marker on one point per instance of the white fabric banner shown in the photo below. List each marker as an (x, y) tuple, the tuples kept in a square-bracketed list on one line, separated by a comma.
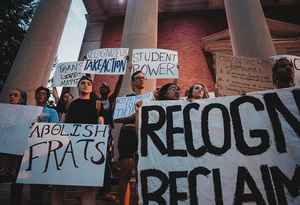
[(107, 61), (14, 126), (155, 63), (229, 150), (65, 154), (67, 74), (125, 105)]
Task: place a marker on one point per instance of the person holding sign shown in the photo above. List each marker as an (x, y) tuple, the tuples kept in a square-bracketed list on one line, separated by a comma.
[(197, 91), (87, 111), (128, 140), (9, 163), (61, 102), (283, 73)]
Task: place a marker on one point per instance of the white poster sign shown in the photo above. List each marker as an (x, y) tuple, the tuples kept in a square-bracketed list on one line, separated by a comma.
[(125, 105), (65, 154), (67, 74), (230, 150), (155, 63), (107, 61), (14, 126), (296, 62)]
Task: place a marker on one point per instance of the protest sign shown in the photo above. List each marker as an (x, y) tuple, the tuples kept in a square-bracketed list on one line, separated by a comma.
[(107, 61), (125, 105), (65, 154), (295, 60), (14, 126), (237, 75), (67, 74), (155, 63), (231, 150)]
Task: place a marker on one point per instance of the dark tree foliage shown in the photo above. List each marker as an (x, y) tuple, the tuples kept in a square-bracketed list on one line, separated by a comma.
[(15, 17)]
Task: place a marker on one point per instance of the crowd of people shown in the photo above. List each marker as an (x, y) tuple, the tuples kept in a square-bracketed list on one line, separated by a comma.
[(86, 110)]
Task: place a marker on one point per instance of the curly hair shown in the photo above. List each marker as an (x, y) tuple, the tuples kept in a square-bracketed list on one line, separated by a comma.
[(163, 90)]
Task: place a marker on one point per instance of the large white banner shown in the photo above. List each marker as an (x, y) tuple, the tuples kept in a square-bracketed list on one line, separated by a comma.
[(65, 154), (125, 105), (106, 61), (67, 74), (230, 150), (155, 63), (14, 126), (296, 62)]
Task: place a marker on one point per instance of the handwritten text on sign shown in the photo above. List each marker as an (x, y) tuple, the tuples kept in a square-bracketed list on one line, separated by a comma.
[(106, 61), (237, 75), (67, 74), (229, 150), (14, 126), (155, 63), (125, 105), (65, 154), (295, 60)]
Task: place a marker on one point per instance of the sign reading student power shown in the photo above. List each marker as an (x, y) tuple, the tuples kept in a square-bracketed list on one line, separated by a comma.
[(230, 150), (107, 61), (155, 63)]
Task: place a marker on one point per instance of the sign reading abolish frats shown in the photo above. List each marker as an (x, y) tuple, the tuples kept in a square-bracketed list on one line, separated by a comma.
[(67, 74), (230, 150), (237, 74), (65, 154), (125, 105), (14, 126), (155, 63), (295, 60), (107, 61)]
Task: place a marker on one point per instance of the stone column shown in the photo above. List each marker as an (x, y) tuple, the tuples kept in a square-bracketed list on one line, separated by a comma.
[(37, 52), (249, 32), (91, 40), (140, 31)]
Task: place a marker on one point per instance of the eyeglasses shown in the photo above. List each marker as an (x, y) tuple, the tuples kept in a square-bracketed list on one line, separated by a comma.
[(175, 90), (41, 93), (140, 78)]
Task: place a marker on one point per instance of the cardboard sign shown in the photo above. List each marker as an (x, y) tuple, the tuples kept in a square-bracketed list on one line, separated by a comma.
[(14, 126), (67, 74), (107, 61), (155, 63), (295, 60), (231, 150), (65, 154), (237, 75), (125, 105)]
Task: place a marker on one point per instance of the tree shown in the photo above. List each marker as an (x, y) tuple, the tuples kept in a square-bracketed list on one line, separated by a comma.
[(15, 18)]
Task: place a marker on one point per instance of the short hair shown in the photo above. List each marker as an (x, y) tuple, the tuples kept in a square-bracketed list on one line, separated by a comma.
[(135, 73), (205, 90), (84, 78), (43, 88), (23, 95), (274, 70), (106, 85), (163, 90)]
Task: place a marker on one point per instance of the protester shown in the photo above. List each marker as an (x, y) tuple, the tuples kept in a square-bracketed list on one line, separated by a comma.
[(10, 163), (128, 140), (42, 95), (169, 91), (283, 73), (197, 91), (61, 102), (82, 110)]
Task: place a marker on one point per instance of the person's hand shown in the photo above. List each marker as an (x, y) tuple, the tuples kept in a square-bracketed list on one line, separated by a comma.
[(178, 66), (130, 67), (190, 99), (127, 58), (138, 105)]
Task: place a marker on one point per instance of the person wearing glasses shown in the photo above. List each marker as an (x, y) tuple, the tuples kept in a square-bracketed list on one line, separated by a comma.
[(169, 91), (197, 91), (128, 141)]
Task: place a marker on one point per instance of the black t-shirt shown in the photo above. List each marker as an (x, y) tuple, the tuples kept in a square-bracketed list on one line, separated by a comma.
[(60, 108), (83, 111), (108, 110)]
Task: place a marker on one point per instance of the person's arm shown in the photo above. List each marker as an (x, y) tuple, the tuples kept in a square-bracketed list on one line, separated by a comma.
[(117, 89), (63, 118), (101, 120), (55, 95), (129, 119), (175, 81), (137, 106)]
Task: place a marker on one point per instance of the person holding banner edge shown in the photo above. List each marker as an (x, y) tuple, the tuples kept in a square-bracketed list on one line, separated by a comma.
[(10, 164), (128, 140), (283, 73), (87, 111)]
